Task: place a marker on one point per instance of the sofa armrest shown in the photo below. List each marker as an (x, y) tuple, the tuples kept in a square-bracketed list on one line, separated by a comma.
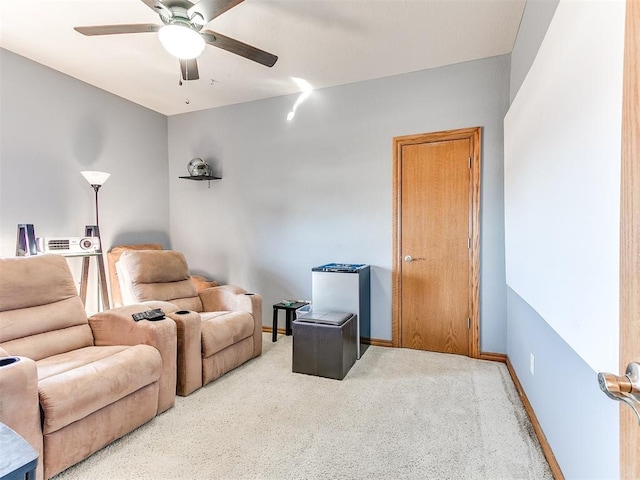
[(189, 325), (201, 283), (223, 298), (236, 299), (19, 401), (256, 310), (117, 327)]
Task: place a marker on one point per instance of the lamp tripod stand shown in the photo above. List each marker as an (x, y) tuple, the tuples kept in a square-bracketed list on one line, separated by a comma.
[(94, 231)]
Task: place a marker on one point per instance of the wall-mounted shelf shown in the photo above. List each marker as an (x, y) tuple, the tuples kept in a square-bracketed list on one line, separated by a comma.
[(202, 177)]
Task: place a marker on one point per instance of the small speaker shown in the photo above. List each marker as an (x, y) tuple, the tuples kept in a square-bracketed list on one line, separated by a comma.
[(26, 241), (92, 231)]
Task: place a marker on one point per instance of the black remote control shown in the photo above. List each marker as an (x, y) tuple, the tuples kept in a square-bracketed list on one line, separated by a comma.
[(151, 315)]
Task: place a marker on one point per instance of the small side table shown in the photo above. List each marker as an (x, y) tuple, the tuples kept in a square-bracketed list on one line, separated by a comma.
[(289, 311), (19, 459)]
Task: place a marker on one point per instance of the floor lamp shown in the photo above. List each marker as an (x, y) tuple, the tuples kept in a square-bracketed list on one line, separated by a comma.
[(96, 180)]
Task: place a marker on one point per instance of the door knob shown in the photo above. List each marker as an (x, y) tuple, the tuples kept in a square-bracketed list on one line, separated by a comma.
[(623, 388), (409, 259)]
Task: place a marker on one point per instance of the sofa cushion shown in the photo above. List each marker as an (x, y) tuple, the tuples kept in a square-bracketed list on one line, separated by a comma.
[(31, 281), (55, 342), (113, 257), (40, 311), (222, 329), (167, 292), (156, 266), (157, 275), (75, 384), (191, 303)]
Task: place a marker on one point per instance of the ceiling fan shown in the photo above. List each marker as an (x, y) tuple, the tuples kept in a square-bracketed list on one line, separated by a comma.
[(182, 35)]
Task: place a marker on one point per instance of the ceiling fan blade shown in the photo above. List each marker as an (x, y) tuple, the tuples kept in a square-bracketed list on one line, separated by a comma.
[(189, 69), (210, 9), (161, 9), (234, 46), (155, 5), (118, 29)]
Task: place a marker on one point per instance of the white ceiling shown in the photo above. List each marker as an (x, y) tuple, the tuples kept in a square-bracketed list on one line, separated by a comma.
[(325, 42)]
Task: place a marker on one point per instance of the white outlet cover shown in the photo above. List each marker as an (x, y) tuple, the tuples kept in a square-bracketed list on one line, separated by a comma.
[(532, 364)]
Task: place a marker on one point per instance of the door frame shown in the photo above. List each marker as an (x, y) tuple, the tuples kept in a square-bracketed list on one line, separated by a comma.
[(474, 135), (630, 234)]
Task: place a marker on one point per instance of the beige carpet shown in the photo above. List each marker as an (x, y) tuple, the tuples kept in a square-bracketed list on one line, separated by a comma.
[(398, 414)]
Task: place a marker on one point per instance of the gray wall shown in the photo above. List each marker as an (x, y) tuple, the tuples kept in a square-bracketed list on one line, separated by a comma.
[(294, 195), (53, 126), (319, 189), (580, 423)]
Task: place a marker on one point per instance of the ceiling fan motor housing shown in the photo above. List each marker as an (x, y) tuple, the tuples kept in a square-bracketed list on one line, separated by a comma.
[(177, 15)]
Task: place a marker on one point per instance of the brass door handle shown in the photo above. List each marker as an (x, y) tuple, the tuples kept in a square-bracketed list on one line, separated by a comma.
[(623, 388)]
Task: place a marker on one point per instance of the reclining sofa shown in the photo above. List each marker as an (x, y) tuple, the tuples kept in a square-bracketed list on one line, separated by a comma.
[(71, 385), (219, 328)]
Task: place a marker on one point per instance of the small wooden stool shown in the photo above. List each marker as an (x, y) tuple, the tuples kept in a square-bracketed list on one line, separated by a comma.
[(289, 309)]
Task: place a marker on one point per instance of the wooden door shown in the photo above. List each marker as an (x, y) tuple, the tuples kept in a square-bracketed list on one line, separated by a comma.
[(630, 236), (435, 295)]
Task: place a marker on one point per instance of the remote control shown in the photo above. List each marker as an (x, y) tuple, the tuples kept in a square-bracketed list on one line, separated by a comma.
[(151, 315)]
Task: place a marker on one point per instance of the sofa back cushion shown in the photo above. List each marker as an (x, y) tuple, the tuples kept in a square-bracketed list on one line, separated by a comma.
[(159, 275), (113, 257), (41, 313)]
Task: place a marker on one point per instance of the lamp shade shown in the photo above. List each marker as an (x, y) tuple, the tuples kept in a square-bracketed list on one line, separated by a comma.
[(181, 41), (95, 178)]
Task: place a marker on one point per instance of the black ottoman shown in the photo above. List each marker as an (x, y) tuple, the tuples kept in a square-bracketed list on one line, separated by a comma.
[(325, 343)]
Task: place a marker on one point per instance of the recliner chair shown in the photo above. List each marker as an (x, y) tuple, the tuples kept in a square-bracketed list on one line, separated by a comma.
[(71, 385), (219, 328)]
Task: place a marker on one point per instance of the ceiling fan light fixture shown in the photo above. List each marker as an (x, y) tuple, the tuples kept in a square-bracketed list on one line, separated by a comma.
[(181, 41)]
